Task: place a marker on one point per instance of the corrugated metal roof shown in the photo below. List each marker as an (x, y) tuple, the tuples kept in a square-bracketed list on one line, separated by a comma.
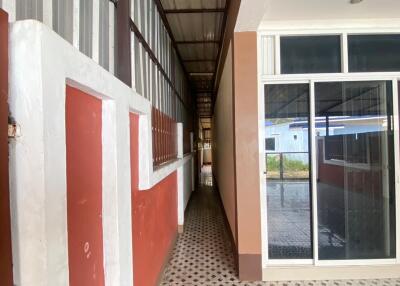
[(198, 32), (199, 66), (198, 51), (196, 26)]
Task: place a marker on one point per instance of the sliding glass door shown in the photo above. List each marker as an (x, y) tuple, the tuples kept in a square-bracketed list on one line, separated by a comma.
[(352, 215), (288, 171), (355, 170)]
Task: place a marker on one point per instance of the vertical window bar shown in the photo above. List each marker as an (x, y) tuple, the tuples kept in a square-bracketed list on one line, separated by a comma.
[(396, 121), (314, 208), (345, 55), (277, 54)]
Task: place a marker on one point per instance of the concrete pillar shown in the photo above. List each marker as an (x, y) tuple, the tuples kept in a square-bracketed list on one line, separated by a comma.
[(247, 179)]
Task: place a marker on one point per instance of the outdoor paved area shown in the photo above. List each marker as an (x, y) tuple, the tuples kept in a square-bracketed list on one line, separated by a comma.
[(203, 254)]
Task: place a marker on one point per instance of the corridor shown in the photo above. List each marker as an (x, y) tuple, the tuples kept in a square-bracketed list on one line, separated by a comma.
[(203, 253)]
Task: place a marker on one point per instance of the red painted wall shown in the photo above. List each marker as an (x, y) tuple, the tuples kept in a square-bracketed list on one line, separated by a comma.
[(84, 188), (5, 227), (154, 219)]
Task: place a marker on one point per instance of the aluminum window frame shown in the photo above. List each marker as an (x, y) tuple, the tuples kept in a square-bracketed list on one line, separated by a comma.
[(277, 78)]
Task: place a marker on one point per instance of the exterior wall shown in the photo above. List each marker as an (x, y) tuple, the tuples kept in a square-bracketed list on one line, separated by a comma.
[(5, 237), (247, 155), (38, 160), (154, 218), (83, 126), (223, 145), (155, 226)]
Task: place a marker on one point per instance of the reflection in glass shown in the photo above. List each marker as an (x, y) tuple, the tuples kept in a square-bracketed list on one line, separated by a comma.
[(366, 53), (310, 54), (288, 171), (355, 170)]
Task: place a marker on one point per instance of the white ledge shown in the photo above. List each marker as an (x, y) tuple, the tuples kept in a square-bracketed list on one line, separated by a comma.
[(164, 171)]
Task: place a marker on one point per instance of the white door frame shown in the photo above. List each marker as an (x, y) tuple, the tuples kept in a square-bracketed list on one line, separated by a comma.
[(277, 78)]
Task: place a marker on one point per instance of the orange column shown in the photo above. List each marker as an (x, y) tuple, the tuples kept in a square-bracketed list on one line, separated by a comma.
[(83, 116), (5, 237), (247, 171)]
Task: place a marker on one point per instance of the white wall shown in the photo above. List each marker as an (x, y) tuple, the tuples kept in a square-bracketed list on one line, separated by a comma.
[(286, 10), (264, 14)]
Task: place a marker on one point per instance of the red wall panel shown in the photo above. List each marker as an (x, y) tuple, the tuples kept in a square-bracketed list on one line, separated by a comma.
[(154, 219), (84, 188), (5, 237)]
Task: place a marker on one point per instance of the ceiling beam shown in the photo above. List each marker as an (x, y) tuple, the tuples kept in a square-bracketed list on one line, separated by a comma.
[(204, 91), (208, 74), (199, 61), (192, 11), (212, 71), (197, 42)]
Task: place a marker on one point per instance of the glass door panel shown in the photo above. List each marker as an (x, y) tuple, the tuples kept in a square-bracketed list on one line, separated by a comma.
[(288, 171), (355, 170)]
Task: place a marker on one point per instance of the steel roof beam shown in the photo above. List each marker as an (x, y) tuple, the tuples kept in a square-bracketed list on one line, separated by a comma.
[(197, 42), (194, 11), (199, 61)]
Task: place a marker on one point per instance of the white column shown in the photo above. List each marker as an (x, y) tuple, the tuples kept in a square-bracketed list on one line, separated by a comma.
[(27, 163), (123, 194), (109, 194)]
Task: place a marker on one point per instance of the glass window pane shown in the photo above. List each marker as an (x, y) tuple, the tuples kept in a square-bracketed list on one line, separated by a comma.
[(310, 54), (270, 144), (288, 171), (374, 53), (355, 170)]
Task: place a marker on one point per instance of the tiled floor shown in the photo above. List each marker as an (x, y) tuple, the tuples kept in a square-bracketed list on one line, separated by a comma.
[(203, 254)]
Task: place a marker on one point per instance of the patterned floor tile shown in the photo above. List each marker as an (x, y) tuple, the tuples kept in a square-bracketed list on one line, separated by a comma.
[(203, 254)]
